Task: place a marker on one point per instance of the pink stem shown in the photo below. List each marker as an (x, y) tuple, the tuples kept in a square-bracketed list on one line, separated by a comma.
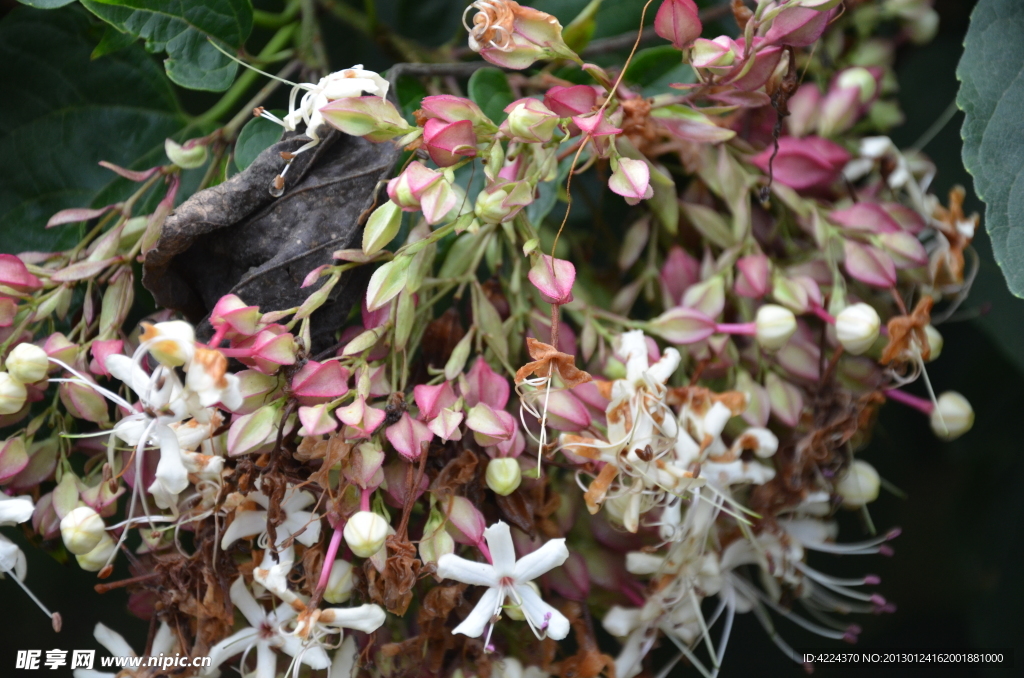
[(919, 404), (482, 545), (236, 352), (737, 328), (364, 500), (218, 336), (823, 314), (332, 553)]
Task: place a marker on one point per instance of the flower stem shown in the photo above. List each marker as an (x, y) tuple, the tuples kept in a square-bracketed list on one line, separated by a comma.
[(332, 553), (920, 404)]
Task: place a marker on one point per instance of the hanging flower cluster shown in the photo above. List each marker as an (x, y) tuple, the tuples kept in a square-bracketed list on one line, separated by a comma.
[(529, 408)]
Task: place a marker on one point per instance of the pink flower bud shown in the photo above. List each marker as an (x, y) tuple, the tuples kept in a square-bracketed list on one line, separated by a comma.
[(270, 349), (319, 382), (407, 189), (785, 399), (490, 426), (371, 117), (510, 35), (868, 264), (361, 419), (57, 346), (235, 316), (849, 98), (805, 163), (446, 425), (251, 432), (679, 272), (803, 106), (800, 356), (449, 108), (632, 180), (465, 522), (42, 461), (408, 435), (908, 219), (15, 275), (766, 58), (595, 124), (502, 201), (421, 188), (554, 278), (798, 26), (316, 420), (905, 249), (100, 351), (432, 399), (569, 101), (45, 520), (397, 484), (682, 325), (449, 142), (865, 217), (483, 385), (572, 579), (84, 403), (374, 319), (529, 121), (752, 276), (13, 458), (716, 56), (566, 412), (678, 22)]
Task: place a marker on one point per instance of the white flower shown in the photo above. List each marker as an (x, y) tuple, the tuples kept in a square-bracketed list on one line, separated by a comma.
[(351, 82), (164, 642), (13, 510), (265, 634), (508, 577), (249, 522)]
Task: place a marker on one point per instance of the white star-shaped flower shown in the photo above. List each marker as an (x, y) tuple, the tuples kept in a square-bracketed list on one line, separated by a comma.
[(507, 577)]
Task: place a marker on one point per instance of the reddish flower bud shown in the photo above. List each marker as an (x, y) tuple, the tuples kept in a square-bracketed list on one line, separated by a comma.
[(752, 276), (554, 279), (449, 108), (432, 399), (798, 26), (449, 142), (680, 271), (408, 435), (678, 22), (15, 275), (569, 101), (319, 382), (482, 384), (100, 351), (805, 163)]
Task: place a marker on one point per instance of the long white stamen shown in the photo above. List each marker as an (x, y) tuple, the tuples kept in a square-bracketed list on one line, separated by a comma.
[(27, 590)]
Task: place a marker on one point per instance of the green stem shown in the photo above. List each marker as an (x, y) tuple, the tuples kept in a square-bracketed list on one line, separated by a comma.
[(270, 20), (230, 100)]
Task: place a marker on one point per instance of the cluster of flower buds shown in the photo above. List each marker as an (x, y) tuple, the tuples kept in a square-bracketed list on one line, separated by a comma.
[(503, 411)]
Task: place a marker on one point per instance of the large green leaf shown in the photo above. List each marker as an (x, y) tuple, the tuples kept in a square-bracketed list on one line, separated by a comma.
[(991, 74), (489, 88), (46, 4), (183, 29), (62, 114)]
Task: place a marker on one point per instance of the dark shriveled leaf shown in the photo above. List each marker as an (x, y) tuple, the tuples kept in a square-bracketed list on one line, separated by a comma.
[(237, 238)]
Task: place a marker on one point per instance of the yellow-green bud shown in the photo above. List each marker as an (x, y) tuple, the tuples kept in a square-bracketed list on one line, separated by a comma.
[(27, 363), (365, 533), (82, 529), (503, 475)]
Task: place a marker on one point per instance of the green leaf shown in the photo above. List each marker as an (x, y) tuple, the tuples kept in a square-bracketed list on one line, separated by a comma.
[(648, 65), (489, 89), (992, 97), (183, 29), (258, 135), (62, 114)]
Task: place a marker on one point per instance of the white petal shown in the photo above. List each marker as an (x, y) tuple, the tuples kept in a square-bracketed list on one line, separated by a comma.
[(545, 618), (303, 521), (666, 367), (312, 655), (14, 510), (450, 566), (365, 618), (266, 661), (163, 641), (547, 557), (473, 625), (113, 641), (92, 673), (621, 621), (245, 524), (503, 551), (247, 605), (344, 663), (11, 558), (236, 643), (296, 500)]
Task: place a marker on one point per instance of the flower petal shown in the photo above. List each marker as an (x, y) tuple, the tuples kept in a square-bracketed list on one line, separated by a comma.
[(229, 647), (245, 524), (365, 618), (544, 618), (113, 641), (547, 557), (450, 566), (246, 604), (503, 551), (473, 625)]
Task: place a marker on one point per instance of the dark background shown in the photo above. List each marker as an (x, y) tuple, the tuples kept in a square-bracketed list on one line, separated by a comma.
[(956, 574)]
